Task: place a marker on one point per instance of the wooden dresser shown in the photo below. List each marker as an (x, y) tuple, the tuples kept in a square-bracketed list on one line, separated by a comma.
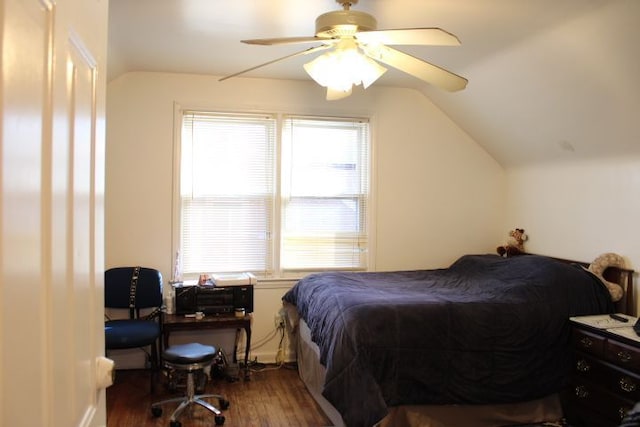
[(605, 378)]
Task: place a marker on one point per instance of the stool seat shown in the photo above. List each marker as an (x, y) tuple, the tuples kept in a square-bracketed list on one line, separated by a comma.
[(184, 354), (190, 358)]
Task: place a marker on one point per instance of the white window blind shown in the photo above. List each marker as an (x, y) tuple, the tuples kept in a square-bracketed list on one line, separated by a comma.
[(227, 192), (238, 212), (325, 190)]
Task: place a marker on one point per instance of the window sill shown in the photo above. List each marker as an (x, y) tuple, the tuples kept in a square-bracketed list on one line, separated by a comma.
[(283, 283)]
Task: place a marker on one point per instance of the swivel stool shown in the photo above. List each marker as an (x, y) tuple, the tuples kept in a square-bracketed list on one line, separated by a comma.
[(190, 358)]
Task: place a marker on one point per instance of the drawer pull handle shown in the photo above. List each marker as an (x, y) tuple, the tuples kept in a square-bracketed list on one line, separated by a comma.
[(586, 342), (583, 366), (582, 392), (627, 384), (624, 356), (622, 412)]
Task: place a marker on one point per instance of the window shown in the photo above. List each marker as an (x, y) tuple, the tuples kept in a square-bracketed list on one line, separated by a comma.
[(253, 201), (325, 187)]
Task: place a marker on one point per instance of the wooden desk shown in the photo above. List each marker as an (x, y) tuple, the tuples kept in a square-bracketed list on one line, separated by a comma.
[(177, 322)]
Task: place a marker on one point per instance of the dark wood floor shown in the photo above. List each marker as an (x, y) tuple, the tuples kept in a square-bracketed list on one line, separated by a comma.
[(272, 398)]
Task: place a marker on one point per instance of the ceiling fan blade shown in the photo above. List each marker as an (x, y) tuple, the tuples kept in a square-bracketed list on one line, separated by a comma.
[(304, 52), (417, 67), (283, 40), (410, 36)]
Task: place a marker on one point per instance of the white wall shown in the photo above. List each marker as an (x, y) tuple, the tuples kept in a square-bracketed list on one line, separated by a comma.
[(437, 193), (580, 209)]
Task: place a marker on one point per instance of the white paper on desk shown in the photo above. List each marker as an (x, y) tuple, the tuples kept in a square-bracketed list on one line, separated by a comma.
[(233, 279), (604, 321), (186, 283)]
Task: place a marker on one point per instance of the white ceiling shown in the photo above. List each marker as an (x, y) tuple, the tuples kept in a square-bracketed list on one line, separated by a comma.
[(549, 80)]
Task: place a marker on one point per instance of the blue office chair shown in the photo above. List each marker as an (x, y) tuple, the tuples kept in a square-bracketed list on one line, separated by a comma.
[(137, 289)]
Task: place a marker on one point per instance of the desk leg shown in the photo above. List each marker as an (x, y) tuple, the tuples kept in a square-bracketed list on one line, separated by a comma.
[(165, 340), (235, 346), (247, 331)]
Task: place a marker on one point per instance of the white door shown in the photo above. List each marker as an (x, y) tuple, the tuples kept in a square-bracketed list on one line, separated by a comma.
[(52, 95)]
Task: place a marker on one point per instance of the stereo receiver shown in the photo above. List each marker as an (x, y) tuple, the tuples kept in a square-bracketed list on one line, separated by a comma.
[(213, 299)]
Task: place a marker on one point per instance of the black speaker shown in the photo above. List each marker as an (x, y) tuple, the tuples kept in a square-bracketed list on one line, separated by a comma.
[(185, 299), (243, 297)]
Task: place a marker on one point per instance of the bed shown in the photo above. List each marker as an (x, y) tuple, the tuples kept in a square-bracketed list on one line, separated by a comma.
[(482, 342)]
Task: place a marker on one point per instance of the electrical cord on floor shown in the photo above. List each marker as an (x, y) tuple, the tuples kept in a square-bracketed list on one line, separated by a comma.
[(280, 353), (261, 367), (265, 340), (261, 342)]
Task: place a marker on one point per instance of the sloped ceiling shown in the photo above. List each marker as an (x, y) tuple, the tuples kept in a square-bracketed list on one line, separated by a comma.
[(549, 80)]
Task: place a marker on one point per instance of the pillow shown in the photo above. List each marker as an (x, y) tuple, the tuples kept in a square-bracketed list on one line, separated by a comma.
[(600, 264)]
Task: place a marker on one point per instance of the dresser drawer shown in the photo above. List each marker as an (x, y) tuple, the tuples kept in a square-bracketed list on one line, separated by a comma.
[(622, 355), (604, 383), (588, 342), (594, 398), (622, 383)]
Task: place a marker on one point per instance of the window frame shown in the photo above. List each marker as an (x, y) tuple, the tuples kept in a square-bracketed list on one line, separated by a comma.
[(359, 195), (277, 274)]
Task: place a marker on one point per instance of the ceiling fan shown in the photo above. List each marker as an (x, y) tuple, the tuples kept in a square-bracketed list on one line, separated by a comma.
[(355, 48)]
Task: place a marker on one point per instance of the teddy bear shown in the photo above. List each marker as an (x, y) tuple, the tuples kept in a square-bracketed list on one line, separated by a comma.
[(600, 264), (514, 245)]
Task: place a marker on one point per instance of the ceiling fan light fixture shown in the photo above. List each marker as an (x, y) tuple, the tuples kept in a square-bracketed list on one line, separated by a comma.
[(370, 71), (334, 95), (343, 68), (317, 69)]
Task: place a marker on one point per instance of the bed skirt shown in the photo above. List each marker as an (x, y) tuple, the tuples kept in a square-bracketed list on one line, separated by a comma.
[(312, 373)]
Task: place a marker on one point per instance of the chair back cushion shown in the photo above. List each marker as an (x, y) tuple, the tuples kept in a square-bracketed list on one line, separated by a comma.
[(117, 286)]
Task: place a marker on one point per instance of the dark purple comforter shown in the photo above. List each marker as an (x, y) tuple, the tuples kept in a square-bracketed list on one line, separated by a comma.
[(485, 330)]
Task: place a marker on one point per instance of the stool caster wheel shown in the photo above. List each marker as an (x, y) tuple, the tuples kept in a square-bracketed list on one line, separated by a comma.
[(224, 404), (175, 424), (156, 411), (219, 420)]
